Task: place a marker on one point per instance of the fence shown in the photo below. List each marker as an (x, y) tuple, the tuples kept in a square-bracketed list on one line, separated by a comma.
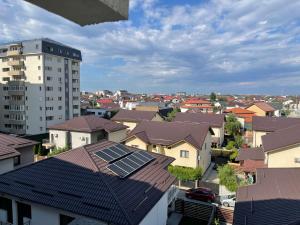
[(225, 215)]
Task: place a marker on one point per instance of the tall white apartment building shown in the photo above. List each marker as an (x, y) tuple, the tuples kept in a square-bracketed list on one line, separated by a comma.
[(39, 85)]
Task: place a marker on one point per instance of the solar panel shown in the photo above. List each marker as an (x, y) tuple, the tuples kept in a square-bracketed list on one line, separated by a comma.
[(128, 165), (113, 153)]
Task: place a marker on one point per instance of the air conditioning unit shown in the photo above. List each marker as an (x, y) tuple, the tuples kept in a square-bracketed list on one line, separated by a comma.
[(56, 135)]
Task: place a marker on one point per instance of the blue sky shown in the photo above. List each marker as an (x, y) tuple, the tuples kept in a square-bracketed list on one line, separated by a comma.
[(198, 46)]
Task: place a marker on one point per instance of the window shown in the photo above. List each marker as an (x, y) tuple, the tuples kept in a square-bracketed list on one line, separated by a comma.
[(184, 154), (5, 79), (41, 118), (60, 107), (5, 59), (49, 68), (59, 70), (17, 160), (5, 69), (59, 79), (39, 67), (40, 88), (39, 57), (49, 78), (49, 118), (59, 98), (75, 106), (36, 46), (41, 128), (297, 160), (49, 88), (60, 89)]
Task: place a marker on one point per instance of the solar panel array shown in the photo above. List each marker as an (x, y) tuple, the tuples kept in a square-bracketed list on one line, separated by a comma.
[(113, 153), (130, 163)]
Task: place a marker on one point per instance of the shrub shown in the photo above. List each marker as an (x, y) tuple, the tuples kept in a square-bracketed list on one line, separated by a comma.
[(230, 145), (227, 177), (186, 173), (57, 151), (234, 154)]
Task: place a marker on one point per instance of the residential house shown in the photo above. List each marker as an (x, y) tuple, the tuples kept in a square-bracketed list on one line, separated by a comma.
[(216, 122), (85, 130), (264, 125), (204, 105), (188, 143), (131, 118), (91, 185), (250, 159), (262, 109), (282, 147), (15, 152), (274, 199), (244, 116)]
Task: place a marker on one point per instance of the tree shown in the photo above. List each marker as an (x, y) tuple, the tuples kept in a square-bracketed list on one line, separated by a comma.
[(227, 177), (232, 125), (186, 173), (230, 145), (171, 115), (239, 141), (213, 97), (234, 154)]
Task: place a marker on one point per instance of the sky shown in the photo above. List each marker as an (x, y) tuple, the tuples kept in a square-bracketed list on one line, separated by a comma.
[(197, 46)]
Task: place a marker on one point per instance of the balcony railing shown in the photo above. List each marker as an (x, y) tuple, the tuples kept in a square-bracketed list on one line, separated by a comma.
[(14, 52), (16, 73), (15, 63)]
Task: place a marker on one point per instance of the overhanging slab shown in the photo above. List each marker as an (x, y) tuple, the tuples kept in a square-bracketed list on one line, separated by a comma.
[(86, 12)]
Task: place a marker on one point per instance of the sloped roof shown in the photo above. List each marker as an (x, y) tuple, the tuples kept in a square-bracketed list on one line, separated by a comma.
[(7, 152), (281, 138), (264, 106), (15, 142), (251, 154), (89, 124), (239, 111), (196, 101), (214, 120), (169, 133), (270, 124), (79, 182), (274, 199), (134, 115)]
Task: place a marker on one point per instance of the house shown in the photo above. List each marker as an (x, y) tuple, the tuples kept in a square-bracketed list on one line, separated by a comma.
[(90, 185), (188, 143), (204, 105), (262, 109), (131, 118), (243, 115), (85, 130), (216, 122), (250, 159), (282, 147), (160, 107), (274, 199), (15, 152), (264, 125), (97, 11)]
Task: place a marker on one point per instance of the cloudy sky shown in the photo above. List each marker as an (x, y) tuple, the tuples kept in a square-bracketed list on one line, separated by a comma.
[(228, 46)]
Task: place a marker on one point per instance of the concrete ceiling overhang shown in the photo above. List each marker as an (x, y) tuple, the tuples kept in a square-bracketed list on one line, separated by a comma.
[(86, 12)]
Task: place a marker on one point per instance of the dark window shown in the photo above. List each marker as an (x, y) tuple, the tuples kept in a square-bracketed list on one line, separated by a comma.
[(24, 211), (17, 160), (65, 220), (6, 204)]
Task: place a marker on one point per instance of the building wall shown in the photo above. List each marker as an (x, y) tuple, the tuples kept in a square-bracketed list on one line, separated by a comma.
[(258, 111), (158, 118), (136, 142), (257, 142), (219, 133), (205, 153), (130, 125), (284, 158), (59, 138), (117, 136), (6, 165), (80, 139), (27, 155), (158, 214)]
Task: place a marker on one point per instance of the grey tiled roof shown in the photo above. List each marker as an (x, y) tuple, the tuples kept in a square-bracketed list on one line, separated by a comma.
[(79, 182)]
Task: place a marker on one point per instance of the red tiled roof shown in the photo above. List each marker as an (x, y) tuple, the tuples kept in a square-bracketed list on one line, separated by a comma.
[(196, 101), (104, 100), (239, 111), (89, 124)]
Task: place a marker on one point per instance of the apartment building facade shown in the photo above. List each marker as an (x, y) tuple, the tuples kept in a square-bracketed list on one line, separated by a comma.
[(39, 85)]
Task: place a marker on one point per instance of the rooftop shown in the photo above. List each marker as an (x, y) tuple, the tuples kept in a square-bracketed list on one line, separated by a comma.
[(264, 106), (251, 154), (169, 133), (134, 115), (78, 181), (214, 120), (89, 124), (271, 124), (274, 199)]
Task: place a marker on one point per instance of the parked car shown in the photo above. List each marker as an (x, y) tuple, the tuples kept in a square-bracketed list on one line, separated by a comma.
[(202, 194), (229, 202)]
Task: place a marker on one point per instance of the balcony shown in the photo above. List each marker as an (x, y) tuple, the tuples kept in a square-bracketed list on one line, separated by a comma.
[(15, 63), (16, 73), (14, 52)]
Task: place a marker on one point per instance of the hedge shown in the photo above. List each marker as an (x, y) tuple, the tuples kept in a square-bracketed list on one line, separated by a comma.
[(186, 173)]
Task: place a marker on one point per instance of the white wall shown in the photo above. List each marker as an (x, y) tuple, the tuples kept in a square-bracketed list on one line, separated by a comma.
[(80, 139), (205, 153), (158, 214), (59, 138), (6, 165)]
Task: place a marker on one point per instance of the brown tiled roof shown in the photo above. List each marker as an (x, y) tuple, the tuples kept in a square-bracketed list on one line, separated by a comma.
[(281, 138), (79, 182), (15, 142), (263, 106), (251, 153), (270, 124), (214, 120), (89, 124), (252, 165), (169, 133), (134, 115), (274, 199), (7, 152)]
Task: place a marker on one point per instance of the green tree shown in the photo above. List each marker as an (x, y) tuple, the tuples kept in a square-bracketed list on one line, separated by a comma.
[(234, 154), (232, 125), (171, 115), (228, 177), (213, 97), (186, 173), (239, 141), (230, 145)]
